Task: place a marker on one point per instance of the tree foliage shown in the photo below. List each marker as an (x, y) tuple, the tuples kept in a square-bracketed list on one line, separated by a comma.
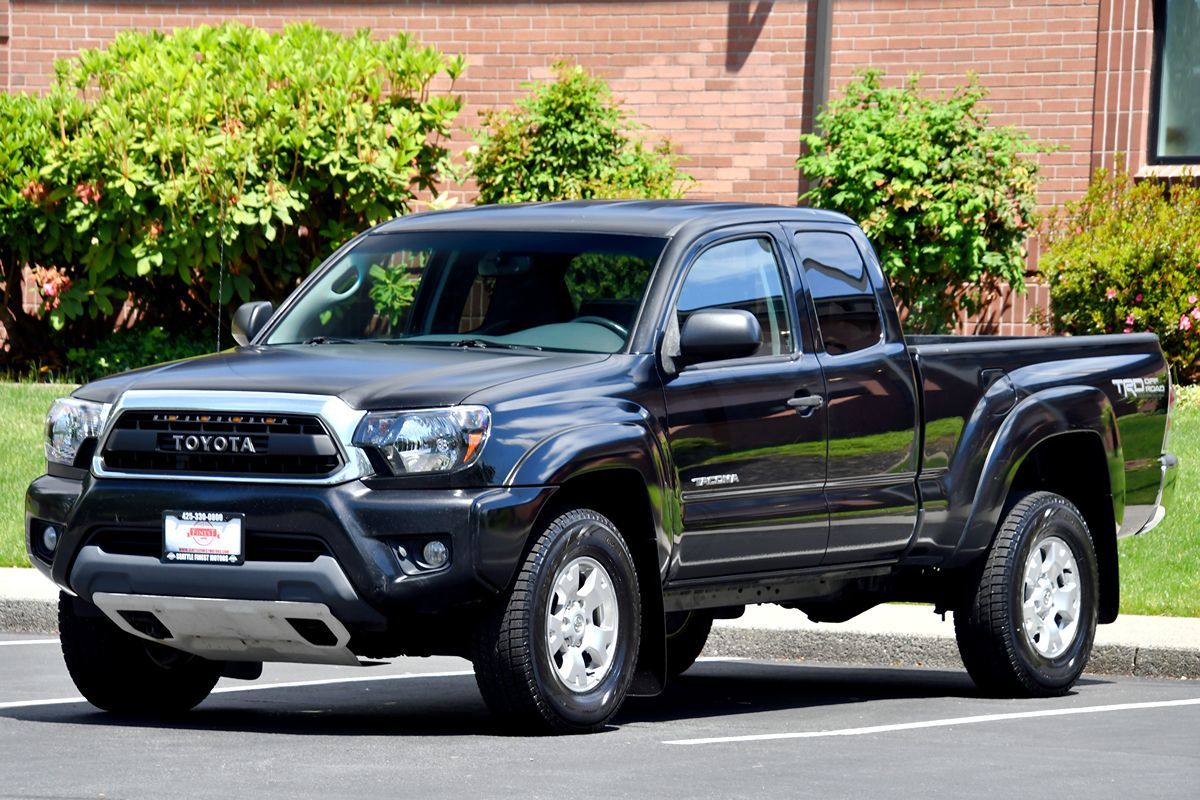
[(946, 199), (569, 139), (153, 162), (1125, 258)]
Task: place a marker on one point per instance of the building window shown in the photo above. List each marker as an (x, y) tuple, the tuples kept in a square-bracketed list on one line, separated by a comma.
[(1176, 123)]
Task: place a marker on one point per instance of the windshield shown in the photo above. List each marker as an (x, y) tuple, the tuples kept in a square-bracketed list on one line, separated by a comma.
[(553, 291)]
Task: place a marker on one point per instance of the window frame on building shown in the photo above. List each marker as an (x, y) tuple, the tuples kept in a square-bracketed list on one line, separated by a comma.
[(1156, 74)]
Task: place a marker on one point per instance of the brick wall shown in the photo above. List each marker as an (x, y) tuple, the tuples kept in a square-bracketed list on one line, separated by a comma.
[(725, 80), (1124, 53), (5, 22), (1036, 57)]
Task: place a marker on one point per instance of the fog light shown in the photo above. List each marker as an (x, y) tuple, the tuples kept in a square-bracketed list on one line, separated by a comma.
[(436, 554), (50, 538)]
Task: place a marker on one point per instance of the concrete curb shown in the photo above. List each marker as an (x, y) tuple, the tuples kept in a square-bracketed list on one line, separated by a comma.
[(827, 646), (911, 650), (28, 616)]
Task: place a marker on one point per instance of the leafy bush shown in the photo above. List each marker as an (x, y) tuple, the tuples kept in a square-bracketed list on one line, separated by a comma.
[(130, 349), (569, 139), (262, 151), (1126, 257), (947, 200), (27, 125)]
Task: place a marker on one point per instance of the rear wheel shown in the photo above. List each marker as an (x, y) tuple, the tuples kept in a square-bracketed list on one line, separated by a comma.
[(557, 653), (687, 632), (122, 673), (1028, 629)]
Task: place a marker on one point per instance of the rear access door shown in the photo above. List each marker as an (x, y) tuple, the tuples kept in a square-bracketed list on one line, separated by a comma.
[(871, 397)]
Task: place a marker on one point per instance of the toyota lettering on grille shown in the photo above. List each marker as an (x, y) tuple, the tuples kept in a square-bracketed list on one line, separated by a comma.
[(195, 443)]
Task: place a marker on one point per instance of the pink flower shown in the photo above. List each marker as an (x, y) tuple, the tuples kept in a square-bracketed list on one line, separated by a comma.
[(1129, 321), (1129, 330), (49, 290), (1110, 294), (1196, 313), (1138, 299), (1185, 324)]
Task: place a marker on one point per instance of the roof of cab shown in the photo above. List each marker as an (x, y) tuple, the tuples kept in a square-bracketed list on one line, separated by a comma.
[(634, 217)]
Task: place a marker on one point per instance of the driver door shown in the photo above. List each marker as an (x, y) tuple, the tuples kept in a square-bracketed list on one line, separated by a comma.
[(750, 455)]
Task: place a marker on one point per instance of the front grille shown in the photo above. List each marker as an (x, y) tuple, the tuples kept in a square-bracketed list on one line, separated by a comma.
[(260, 546), (221, 444)]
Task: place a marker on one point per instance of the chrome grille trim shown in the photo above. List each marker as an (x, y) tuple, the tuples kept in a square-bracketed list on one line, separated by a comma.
[(340, 419)]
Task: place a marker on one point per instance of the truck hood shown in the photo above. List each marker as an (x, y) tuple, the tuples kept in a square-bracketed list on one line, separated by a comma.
[(365, 375)]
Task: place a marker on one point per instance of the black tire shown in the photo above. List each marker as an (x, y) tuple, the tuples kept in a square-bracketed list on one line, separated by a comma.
[(121, 673), (687, 632), (514, 668), (1000, 656)]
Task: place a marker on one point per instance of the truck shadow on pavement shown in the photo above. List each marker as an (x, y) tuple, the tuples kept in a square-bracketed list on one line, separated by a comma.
[(451, 705)]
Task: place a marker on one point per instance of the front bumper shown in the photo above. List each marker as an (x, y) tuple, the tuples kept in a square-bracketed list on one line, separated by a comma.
[(361, 577)]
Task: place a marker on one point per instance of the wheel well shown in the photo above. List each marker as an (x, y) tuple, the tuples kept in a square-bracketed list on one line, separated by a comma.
[(621, 495), (1074, 465)]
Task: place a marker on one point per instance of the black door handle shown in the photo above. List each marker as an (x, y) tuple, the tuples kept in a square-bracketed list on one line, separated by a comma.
[(808, 401)]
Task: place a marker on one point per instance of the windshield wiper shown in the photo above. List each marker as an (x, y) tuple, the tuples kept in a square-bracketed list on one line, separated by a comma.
[(483, 345), (329, 340)]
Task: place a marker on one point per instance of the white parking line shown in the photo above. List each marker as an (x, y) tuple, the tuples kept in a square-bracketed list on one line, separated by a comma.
[(257, 687), (939, 723), (29, 641)]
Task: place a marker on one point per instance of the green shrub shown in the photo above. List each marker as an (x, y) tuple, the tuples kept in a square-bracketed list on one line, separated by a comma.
[(946, 199), (569, 139), (1126, 257), (130, 349), (27, 125), (229, 144)]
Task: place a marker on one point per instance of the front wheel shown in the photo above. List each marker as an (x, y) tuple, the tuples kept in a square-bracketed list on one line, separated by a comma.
[(1027, 630), (118, 672), (557, 653)]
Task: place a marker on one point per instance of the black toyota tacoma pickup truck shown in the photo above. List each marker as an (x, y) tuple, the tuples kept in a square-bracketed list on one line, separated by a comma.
[(561, 439)]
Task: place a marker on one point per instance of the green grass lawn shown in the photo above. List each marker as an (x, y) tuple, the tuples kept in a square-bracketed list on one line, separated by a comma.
[(1160, 572), (23, 408)]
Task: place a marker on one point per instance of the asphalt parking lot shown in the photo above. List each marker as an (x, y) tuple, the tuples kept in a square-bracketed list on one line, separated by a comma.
[(417, 728)]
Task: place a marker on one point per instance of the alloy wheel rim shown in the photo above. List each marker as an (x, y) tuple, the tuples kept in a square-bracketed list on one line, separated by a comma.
[(582, 622), (1051, 597)]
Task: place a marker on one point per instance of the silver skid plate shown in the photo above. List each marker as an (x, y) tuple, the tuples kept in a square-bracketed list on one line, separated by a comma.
[(234, 630)]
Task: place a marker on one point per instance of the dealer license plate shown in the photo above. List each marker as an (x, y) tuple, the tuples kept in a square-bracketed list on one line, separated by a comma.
[(203, 537)]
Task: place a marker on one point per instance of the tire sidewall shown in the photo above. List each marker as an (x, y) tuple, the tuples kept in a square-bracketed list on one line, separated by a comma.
[(586, 534), (1058, 519)]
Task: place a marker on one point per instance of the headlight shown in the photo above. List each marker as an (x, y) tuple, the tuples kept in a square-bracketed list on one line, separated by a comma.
[(70, 423), (430, 440)]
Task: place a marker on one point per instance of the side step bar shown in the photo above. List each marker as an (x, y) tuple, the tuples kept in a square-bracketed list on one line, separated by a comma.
[(233, 630)]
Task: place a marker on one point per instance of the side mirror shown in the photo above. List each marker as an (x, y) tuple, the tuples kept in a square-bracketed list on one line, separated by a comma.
[(249, 319), (716, 334)]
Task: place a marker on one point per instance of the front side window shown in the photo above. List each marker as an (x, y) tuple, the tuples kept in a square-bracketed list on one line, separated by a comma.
[(847, 312), (554, 291), (1177, 137), (740, 274)]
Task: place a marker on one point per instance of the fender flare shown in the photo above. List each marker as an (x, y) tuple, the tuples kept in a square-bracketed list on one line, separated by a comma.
[(625, 446), (1035, 419)]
